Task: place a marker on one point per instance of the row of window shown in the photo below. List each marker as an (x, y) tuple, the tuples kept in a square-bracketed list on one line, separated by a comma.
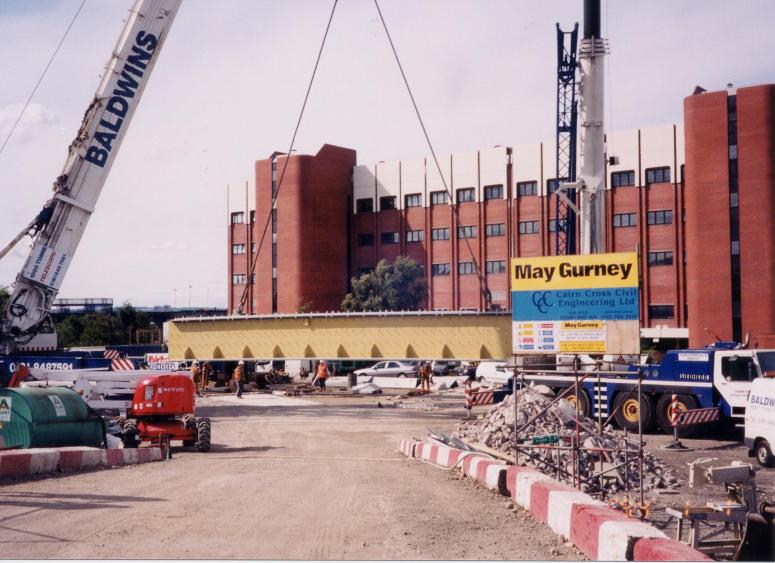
[(238, 217), (464, 195), (662, 217), (241, 279), (469, 231), (240, 248), (468, 268)]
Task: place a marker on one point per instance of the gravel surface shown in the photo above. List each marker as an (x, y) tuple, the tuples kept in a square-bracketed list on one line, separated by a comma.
[(313, 478)]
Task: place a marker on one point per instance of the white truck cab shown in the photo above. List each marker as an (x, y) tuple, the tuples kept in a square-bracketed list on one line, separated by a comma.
[(760, 420)]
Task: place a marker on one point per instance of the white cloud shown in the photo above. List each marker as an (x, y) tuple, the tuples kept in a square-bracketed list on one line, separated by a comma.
[(36, 119)]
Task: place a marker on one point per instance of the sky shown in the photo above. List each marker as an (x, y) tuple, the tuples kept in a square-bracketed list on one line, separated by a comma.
[(230, 80)]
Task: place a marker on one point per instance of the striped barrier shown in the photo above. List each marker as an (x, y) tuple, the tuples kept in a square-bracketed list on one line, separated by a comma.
[(698, 416), (39, 461), (599, 531)]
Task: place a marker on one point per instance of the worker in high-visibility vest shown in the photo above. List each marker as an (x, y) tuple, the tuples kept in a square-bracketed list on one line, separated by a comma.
[(196, 375), (239, 377), (322, 375)]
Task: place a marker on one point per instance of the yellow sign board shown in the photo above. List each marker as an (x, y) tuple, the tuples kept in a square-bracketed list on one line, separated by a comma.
[(575, 272)]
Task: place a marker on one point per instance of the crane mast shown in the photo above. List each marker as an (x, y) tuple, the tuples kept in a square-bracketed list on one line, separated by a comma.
[(58, 228)]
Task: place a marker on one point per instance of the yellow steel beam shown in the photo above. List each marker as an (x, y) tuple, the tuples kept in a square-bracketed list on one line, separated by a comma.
[(427, 335)]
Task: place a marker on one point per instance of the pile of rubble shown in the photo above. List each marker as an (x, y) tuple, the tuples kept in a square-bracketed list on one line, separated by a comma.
[(604, 471)]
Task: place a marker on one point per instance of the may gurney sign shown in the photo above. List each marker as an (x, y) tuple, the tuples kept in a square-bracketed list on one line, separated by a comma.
[(576, 304)]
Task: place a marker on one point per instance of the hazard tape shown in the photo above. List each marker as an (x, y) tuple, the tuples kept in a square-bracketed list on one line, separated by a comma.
[(698, 416), (111, 354)]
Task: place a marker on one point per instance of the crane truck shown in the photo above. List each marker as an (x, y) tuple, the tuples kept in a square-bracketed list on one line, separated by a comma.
[(151, 405)]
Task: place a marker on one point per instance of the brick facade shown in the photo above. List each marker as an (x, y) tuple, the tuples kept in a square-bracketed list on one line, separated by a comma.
[(336, 219)]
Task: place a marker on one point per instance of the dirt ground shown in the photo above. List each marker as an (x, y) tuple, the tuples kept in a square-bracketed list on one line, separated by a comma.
[(287, 479)]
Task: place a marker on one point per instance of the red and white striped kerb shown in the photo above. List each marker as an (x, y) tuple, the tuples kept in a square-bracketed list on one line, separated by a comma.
[(698, 416), (122, 364)]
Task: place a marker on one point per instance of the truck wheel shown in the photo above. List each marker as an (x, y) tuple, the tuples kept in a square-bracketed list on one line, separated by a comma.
[(685, 402), (628, 411), (763, 453), (189, 423), (203, 434), (583, 402), (131, 437)]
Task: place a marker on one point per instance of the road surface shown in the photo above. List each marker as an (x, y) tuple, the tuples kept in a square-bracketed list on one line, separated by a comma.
[(287, 479)]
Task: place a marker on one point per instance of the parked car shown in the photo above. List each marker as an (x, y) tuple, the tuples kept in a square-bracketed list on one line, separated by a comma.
[(493, 372), (466, 369), (441, 367), (390, 368)]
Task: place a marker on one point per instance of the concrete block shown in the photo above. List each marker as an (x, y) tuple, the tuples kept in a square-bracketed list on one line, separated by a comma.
[(617, 538), (78, 458), (525, 484), (560, 508), (661, 549), (539, 497), (112, 457), (585, 523), (43, 460), (14, 463)]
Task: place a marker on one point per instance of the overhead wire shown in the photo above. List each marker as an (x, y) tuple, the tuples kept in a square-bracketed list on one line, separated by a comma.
[(41, 77), (482, 282), (276, 193)]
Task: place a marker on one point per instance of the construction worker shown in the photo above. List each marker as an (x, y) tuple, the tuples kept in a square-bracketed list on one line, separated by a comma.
[(322, 375), (468, 387), (196, 375), (207, 372), (425, 378), (19, 374), (239, 377)]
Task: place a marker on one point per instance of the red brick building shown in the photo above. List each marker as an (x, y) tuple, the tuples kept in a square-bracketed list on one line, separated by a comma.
[(334, 220)]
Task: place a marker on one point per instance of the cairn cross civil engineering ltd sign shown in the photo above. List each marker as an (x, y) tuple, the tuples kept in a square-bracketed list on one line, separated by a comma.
[(576, 304)]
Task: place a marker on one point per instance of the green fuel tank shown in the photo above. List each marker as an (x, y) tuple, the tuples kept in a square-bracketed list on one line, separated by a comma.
[(45, 417)]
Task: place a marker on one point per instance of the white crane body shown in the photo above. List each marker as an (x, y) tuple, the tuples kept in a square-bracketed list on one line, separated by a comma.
[(62, 222)]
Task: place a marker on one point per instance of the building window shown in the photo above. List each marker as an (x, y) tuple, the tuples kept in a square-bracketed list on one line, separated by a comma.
[(439, 198), (238, 279), (658, 175), (661, 258), (553, 224), (274, 254), (660, 217), (624, 178), (661, 311), (495, 230), (527, 188), (440, 234), (625, 219), (252, 216), (389, 238), (364, 205), (253, 248), (493, 192), (465, 268), (466, 194), (495, 266), (551, 185), (366, 239), (387, 202), (238, 249), (414, 236), (274, 220), (528, 227), (413, 200), (440, 269), (237, 218), (274, 295), (467, 231)]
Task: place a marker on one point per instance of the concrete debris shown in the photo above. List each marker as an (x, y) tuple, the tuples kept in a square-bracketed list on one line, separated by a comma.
[(557, 426), (367, 389)]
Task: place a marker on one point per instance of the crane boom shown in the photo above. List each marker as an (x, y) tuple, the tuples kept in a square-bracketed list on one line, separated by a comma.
[(62, 222)]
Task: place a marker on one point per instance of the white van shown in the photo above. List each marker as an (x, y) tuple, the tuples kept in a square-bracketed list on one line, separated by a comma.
[(493, 372), (760, 420)]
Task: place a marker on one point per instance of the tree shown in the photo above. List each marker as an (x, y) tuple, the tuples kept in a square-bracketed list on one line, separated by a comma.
[(399, 286)]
